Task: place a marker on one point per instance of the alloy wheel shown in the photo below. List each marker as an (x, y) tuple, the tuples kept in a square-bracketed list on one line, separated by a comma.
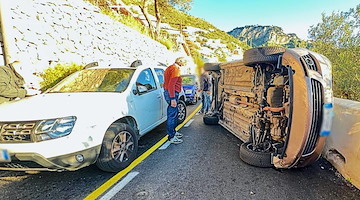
[(122, 146), (182, 112)]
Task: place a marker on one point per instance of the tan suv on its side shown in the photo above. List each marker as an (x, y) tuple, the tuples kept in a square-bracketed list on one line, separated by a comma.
[(277, 101)]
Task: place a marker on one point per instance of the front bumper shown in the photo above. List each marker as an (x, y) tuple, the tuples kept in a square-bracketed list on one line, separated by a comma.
[(37, 162), (189, 97), (304, 143)]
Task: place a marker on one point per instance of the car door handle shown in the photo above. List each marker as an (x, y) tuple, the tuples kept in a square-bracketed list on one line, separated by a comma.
[(159, 96)]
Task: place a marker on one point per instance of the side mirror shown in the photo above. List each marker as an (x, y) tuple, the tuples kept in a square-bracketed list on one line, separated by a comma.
[(141, 89)]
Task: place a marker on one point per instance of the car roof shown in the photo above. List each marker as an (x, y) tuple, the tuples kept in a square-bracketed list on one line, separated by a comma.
[(122, 66)]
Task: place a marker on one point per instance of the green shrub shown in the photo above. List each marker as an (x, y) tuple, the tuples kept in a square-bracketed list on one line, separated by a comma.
[(170, 44), (53, 75), (192, 45), (135, 24), (220, 55)]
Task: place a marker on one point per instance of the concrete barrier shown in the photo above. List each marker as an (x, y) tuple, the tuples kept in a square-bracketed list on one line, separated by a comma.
[(342, 148)]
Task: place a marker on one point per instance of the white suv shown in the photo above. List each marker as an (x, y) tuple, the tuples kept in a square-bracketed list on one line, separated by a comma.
[(95, 115)]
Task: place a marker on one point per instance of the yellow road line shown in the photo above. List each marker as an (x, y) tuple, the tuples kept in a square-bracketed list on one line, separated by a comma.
[(105, 186)]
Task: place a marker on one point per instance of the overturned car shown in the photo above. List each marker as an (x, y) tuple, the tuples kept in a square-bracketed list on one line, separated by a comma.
[(277, 101)]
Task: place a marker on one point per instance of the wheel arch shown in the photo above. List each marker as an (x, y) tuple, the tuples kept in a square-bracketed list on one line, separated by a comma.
[(182, 97), (128, 120)]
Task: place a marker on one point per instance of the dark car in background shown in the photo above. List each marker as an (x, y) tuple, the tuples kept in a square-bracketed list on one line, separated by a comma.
[(190, 85)]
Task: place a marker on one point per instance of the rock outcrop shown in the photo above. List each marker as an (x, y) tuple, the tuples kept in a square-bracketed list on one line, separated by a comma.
[(265, 35)]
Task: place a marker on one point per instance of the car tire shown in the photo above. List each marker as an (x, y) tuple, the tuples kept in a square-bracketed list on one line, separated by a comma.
[(258, 159), (212, 67), (262, 55), (211, 119), (195, 100), (118, 136), (182, 111)]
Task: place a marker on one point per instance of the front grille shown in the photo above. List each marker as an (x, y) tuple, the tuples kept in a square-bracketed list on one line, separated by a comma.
[(317, 102), (21, 165), (15, 132), (309, 62)]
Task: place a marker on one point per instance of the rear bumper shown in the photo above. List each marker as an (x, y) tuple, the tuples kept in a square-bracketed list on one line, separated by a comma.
[(37, 162)]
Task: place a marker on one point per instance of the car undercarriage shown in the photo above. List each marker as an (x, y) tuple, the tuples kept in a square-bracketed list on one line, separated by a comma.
[(254, 100)]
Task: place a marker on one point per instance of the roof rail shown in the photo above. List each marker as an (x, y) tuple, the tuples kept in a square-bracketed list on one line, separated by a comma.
[(136, 63), (93, 64)]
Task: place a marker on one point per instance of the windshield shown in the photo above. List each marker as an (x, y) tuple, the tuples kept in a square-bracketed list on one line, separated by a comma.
[(95, 80), (188, 80)]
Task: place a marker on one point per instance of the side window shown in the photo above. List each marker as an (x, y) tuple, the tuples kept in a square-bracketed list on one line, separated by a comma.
[(145, 81), (160, 75)]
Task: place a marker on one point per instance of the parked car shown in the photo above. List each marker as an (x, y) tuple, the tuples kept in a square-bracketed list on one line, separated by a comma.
[(190, 85), (95, 115), (276, 101)]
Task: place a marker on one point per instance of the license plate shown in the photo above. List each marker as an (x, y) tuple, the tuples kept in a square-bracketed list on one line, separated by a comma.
[(4, 156), (188, 91)]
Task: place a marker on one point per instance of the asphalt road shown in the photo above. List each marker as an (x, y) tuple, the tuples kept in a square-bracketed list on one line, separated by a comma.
[(205, 166)]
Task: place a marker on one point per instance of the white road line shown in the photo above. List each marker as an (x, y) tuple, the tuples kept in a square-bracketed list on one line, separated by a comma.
[(120, 185), (164, 146), (188, 123)]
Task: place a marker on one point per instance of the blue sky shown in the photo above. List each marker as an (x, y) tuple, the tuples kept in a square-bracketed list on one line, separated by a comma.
[(294, 16)]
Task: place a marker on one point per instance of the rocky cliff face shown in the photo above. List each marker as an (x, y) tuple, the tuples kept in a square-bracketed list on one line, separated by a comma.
[(265, 35)]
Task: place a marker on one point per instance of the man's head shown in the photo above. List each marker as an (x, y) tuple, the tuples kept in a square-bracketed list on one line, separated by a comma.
[(181, 61)]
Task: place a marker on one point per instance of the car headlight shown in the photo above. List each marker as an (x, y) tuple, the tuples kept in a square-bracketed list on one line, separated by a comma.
[(54, 128), (188, 91)]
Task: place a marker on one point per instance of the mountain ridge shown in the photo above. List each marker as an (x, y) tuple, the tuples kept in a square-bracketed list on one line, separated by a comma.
[(258, 35)]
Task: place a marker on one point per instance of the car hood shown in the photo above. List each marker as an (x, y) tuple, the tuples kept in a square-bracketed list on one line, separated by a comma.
[(54, 105)]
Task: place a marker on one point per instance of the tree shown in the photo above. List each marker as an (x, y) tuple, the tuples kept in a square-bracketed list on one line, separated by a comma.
[(338, 38), (144, 9), (183, 5)]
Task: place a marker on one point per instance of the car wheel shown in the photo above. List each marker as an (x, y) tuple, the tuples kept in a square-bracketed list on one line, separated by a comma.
[(251, 157), (195, 100), (182, 111), (119, 148), (211, 119), (262, 55)]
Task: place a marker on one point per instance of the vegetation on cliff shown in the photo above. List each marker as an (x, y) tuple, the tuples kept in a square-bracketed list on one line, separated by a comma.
[(338, 38)]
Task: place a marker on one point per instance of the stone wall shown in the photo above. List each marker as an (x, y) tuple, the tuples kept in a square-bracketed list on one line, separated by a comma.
[(43, 33), (342, 147)]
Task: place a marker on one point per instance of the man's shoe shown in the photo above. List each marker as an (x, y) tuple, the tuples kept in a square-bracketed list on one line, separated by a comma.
[(178, 135), (175, 140)]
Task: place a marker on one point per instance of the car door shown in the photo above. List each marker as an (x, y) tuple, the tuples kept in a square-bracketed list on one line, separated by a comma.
[(160, 74), (147, 101)]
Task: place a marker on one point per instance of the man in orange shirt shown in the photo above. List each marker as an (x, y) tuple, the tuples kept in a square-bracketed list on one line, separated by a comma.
[(172, 87)]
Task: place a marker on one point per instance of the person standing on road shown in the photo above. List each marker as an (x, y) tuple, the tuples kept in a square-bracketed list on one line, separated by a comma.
[(11, 83), (205, 88), (172, 87)]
